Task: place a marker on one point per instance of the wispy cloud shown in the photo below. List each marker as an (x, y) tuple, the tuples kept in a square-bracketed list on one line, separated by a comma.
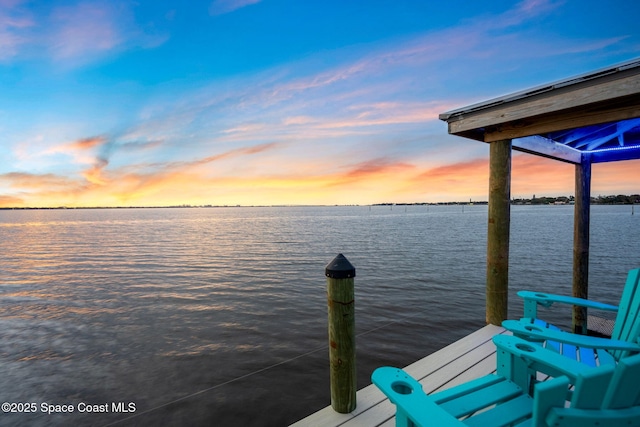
[(303, 102), (523, 11), (82, 151), (81, 144), (220, 7), (243, 151), (457, 179), (87, 28), (29, 181), (371, 169), (393, 68), (14, 23), (73, 34), (380, 114)]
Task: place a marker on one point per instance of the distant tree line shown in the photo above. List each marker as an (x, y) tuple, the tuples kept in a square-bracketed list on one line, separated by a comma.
[(616, 200), (620, 199)]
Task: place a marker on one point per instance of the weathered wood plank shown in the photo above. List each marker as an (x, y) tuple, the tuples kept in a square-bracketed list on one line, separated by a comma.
[(552, 102), (538, 145), (441, 358), (480, 368), (376, 415), (535, 125)]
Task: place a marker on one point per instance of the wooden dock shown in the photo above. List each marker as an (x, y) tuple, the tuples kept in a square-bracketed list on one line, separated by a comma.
[(470, 357)]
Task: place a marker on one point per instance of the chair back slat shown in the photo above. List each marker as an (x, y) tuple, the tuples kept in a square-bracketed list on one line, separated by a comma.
[(624, 388), (627, 325), (602, 396), (591, 387)]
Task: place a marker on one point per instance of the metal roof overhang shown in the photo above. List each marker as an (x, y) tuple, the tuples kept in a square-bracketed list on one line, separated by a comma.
[(594, 116)]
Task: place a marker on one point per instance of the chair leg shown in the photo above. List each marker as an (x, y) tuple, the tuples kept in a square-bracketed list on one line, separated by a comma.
[(402, 420)]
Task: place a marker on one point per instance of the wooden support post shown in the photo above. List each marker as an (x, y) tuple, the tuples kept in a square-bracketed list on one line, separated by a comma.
[(342, 339), (581, 216), (498, 231)]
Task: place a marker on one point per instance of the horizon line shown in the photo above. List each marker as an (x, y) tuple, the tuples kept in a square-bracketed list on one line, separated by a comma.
[(470, 202)]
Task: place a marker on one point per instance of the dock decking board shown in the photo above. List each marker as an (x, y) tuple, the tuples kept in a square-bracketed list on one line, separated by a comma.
[(467, 358)]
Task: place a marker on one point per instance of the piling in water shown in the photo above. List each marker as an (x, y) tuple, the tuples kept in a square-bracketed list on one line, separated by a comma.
[(499, 220), (342, 339)]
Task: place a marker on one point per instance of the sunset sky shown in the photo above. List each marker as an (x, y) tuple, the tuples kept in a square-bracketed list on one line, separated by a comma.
[(266, 102)]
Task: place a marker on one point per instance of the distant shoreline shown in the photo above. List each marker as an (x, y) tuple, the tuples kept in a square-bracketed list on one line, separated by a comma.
[(600, 200)]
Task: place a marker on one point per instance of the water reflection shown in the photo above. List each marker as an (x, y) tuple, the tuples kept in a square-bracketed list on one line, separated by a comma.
[(153, 305)]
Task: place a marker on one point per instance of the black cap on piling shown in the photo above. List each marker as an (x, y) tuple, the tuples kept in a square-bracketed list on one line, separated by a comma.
[(340, 268)]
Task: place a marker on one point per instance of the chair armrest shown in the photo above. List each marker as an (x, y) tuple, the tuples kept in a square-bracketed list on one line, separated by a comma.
[(532, 299), (516, 356), (529, 330), (411, 401), (548, 299)]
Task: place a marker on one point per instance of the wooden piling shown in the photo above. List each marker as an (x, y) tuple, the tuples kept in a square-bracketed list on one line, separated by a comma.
[(498, 231), (581, 217), (342, 339)]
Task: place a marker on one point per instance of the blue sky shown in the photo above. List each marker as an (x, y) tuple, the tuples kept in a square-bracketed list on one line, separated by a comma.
[(115, 103)]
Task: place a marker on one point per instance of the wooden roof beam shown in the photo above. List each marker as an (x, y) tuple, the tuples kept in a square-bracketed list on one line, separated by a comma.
[(598, 113), (565, 105), (547, 148)]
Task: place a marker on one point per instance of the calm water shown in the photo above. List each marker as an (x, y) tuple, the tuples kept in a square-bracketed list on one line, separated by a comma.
[(218, 316)]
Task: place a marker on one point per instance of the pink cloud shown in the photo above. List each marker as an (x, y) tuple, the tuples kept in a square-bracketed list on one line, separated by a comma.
[(86, 143), (11, 201), (30, 181), (242, 151), (95, 174), (366, 171), (82, 150)]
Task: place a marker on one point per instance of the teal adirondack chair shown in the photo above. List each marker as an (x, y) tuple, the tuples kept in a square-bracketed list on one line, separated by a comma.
[(577, 395), (586, 349)]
